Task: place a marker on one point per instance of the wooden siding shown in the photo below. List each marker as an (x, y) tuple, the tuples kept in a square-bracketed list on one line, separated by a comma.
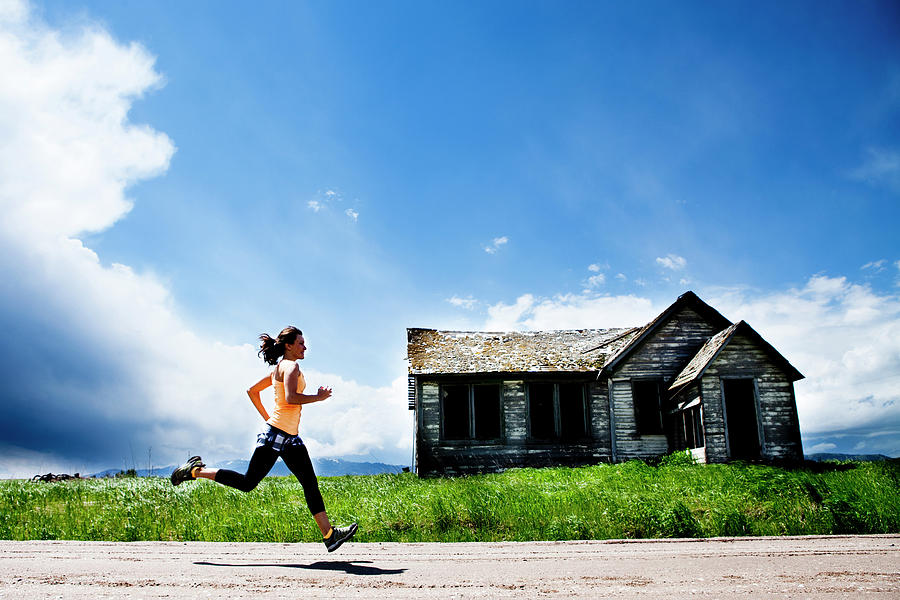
[(515, 412), (598, 397), (662, 357), (713, 419), (777, 408), (673, 345)]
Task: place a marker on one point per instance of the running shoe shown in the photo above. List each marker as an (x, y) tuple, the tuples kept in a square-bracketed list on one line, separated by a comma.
[(183, 473), (339, 535)]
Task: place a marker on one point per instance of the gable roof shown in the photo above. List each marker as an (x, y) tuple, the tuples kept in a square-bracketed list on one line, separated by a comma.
[(578, 350), (687, 300), (714, 346)]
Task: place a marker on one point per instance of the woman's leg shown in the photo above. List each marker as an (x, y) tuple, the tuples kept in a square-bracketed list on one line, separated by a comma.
[(297, 460), (261, 463)]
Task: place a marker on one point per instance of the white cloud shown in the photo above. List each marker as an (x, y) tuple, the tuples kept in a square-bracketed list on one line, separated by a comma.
[(573, 311), (596, 280), (880, 168), (844, 337), (468, 302), (875, 265), (67, 150), (672, 261), (68, 154), (315, 205), (496, 244), (823, 447), (621, 277), (354, 215), (343, 424)]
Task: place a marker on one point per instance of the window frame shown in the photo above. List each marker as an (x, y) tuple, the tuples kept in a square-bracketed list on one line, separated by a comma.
[(557, 418), (638, 419), (470, 390)]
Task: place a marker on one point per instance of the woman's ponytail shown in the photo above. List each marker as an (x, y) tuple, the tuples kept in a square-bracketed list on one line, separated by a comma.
[(271, 349)]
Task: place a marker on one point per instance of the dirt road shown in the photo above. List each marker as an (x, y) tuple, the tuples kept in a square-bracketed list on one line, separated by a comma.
[(788, 567)]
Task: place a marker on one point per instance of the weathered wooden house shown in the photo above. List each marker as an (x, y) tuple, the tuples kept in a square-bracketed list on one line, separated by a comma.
[(689, 379)]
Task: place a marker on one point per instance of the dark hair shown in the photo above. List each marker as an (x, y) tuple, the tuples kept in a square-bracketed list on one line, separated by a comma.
[(272, 349)]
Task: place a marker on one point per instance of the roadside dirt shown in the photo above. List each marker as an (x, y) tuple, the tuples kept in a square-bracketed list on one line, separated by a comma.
[(784, 567)]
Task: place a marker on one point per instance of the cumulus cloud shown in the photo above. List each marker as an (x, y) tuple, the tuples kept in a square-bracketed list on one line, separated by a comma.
[(315, 205), (344, 425), (496, 244), (114, 363), (672, 261), (844, 337), (354, 215)]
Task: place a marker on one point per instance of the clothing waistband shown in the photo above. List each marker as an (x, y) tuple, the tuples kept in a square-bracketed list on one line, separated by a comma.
[(277, 439)]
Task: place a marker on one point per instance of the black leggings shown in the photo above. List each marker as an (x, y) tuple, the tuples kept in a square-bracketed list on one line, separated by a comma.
[(297, 460)]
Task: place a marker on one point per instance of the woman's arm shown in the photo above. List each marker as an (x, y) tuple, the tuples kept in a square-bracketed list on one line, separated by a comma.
[(254, 391), (290, 389)]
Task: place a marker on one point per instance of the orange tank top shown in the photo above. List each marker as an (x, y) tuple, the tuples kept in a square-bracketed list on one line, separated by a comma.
[(286, 417)]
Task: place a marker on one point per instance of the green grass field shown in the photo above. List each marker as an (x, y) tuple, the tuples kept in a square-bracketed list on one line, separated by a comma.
[(631, 500)]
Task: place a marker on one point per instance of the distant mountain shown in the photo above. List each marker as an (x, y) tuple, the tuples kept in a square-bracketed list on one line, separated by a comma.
[(820, 456), (325, 467)]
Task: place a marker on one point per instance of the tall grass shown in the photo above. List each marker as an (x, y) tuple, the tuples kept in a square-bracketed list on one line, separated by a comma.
[(631, 500)]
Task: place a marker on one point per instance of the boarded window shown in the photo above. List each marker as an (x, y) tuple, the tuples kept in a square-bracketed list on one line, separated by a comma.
[(557, 411), (647, 413), (471, 411)]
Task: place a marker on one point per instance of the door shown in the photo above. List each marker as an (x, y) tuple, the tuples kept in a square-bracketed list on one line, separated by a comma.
[(741, 419)]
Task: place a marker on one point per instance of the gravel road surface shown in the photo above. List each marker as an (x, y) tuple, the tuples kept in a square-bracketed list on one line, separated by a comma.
[(783, 567)]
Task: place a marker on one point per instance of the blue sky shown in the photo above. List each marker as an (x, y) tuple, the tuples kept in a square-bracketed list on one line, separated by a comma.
[(180, 177)]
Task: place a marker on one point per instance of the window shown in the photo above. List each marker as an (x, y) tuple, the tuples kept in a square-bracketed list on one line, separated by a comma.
[(557, 411), (471, 411), (646, 396)]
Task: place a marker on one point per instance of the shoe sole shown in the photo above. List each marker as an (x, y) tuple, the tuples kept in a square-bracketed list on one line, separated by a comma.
[(353, 529), (191, 468)]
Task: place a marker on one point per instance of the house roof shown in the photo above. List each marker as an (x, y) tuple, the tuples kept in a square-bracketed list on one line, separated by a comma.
[(577, 350), (687, 299), (711, 349)]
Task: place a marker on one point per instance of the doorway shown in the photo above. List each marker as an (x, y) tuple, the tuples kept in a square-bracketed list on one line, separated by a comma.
[(742, 423)]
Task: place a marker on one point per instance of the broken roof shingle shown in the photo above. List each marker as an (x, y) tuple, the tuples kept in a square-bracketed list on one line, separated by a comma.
[(579, 350)]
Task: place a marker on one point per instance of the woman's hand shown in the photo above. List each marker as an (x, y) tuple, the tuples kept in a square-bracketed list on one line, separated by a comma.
[(324, 393)]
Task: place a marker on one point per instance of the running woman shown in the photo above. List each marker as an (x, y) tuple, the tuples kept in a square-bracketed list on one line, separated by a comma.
[(280, 437)]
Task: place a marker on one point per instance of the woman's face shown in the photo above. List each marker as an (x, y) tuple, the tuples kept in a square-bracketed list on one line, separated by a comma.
[(297, 349)]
